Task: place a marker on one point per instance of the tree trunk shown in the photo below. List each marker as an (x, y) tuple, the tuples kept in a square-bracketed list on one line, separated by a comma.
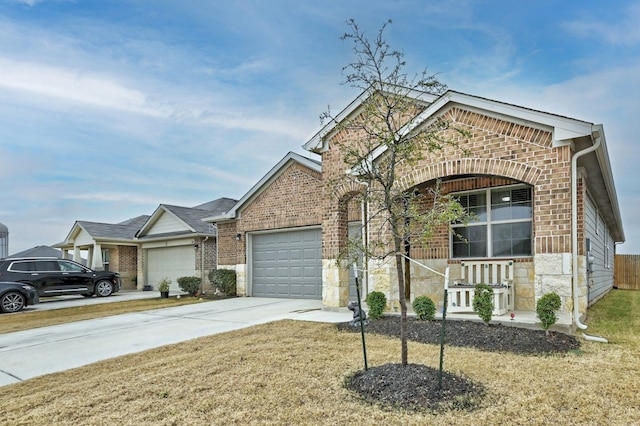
[(403, 303), (407, 271)]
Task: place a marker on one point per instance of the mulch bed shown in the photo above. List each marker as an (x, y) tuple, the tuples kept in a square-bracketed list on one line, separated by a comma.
[(494, 338), (415, 387)]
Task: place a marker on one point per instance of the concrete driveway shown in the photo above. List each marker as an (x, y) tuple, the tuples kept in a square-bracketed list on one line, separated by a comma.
[(60, 302), (32, 353)]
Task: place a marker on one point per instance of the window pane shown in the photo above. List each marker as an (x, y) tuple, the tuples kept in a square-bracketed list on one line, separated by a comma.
[(21, 266), (47, 266), (70, 267), (480, 212), (475, 244), (511, 239), (476, 204), (510, 204)]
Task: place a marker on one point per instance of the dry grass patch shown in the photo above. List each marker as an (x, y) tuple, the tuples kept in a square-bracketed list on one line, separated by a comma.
[(290, 372), (19, 321)]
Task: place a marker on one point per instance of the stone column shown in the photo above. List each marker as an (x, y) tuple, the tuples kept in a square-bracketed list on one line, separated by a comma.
[(96, 258), (335, 284)]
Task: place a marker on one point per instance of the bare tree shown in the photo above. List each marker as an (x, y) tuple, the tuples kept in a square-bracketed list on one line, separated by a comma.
[(382, 146)]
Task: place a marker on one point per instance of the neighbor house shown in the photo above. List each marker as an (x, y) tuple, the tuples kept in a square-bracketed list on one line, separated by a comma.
[(542, 184), (173, 242), (39, 251)]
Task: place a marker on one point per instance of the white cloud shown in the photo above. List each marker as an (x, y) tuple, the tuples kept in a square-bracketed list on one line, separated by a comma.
[(74, 86), (624, 32)]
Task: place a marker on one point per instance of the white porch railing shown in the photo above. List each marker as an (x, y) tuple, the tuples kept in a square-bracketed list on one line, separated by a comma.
[(498, 274)]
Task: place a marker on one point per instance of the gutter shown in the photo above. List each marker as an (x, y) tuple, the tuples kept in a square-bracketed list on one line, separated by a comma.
[(574, 236)]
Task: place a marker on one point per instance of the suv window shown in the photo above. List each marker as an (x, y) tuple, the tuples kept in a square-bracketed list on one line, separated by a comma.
[(47, 266), (23, 266), (70, 267)]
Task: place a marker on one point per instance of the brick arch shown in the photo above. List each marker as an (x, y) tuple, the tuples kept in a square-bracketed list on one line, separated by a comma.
[(347, 189), (467, 166)]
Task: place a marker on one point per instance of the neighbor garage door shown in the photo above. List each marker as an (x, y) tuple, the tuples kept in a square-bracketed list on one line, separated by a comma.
[(287, 264), (170, 262)]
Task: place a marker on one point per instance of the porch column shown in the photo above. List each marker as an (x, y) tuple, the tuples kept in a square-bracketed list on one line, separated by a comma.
[(96, 258), (335, 284), (77, 256)]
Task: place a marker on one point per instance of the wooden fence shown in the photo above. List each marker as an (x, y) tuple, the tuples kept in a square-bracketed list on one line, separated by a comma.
[(627, 271)]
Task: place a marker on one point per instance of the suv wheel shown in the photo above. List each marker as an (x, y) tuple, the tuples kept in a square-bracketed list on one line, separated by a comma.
[(104, 288), (12, 302)]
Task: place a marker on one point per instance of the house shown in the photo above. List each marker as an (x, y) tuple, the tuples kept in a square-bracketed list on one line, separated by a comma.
[(171, 243), (272, 237), (175, 242), (541, 183)]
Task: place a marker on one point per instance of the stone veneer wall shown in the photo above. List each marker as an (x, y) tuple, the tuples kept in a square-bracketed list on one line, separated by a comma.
[(425, 282)]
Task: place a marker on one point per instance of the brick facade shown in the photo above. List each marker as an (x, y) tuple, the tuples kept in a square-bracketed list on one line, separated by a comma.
[(500, 151), (290, 200), (127, 265)]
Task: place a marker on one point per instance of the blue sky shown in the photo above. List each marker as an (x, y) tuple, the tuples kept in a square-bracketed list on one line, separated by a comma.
[(110, 107)]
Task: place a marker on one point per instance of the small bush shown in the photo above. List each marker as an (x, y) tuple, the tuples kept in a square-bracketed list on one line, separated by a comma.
[(190, 285), (224, 280), (546, 310), (377, 302), (483, 302), (424, 308), (164, 285)]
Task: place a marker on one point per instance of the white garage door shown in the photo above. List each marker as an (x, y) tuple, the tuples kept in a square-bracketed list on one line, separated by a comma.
[(287, 264), (172, 263)]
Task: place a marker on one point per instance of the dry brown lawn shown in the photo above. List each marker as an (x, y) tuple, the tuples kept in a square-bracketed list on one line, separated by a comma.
[(291, 372)]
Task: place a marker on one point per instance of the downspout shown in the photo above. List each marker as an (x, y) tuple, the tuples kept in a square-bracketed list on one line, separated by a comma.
[(365, 242), (217, 241), (574, 238)]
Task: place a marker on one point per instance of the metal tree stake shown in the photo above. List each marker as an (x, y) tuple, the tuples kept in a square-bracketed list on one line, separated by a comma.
[(444, 322), (364, 346)]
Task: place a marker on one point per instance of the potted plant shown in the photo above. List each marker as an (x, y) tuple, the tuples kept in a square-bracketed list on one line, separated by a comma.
[(163, 287)]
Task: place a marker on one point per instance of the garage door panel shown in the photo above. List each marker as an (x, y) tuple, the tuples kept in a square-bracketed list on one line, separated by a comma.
[(287, 264), (171, 263)]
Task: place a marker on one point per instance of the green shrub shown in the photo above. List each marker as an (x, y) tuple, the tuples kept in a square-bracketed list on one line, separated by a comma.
[(190, 285), (546, 310), (224, 280), (424, 308), (483, 302), (377, 302)]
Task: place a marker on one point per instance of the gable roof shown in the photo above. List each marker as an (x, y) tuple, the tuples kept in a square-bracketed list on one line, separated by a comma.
[(191, 217), (39, 251), (264, 183), (136, 221), (317, 143), (219, 206), (564, 131), (130, 229), (123, 231)]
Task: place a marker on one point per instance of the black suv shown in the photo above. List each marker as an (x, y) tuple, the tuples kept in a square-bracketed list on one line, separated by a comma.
[(55, 277)]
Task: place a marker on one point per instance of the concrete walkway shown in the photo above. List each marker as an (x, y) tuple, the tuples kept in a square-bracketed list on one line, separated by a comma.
[(32, 353)]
